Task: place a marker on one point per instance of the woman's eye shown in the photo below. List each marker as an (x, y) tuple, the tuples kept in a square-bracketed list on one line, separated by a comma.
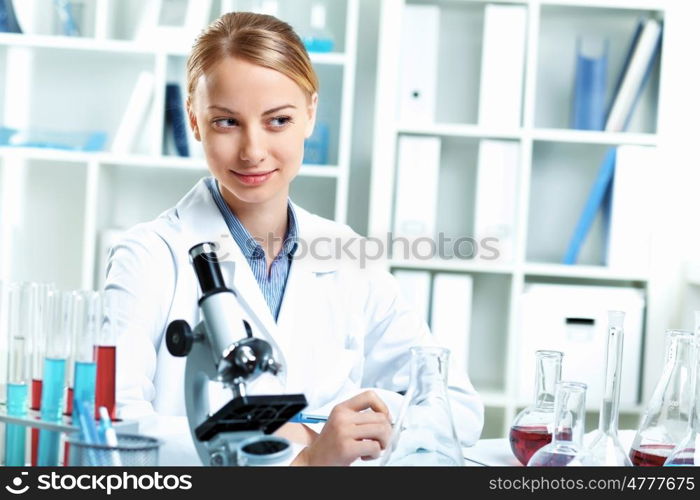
[(280, 121), (225, 122)]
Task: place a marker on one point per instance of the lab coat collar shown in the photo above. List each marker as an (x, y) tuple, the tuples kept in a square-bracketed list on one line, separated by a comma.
[(202, 221)]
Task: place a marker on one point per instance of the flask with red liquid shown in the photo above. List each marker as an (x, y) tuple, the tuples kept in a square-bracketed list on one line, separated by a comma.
[(566, 448), (532, 428), (106, 357), (666, 418)]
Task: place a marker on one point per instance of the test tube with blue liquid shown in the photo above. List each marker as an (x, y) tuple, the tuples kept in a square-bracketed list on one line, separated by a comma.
[(4, 347), (87, 320), (21, 304), (53, 384)]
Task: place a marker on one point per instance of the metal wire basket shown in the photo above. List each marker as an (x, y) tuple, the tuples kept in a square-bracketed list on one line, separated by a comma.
[(132, 450)]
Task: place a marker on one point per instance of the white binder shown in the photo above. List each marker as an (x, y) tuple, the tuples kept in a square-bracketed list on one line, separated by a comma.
[(496, 195), (417, 187), (135, 114), (503, 58), (419, 63), (415, 288), (629, 240), (451, 316)]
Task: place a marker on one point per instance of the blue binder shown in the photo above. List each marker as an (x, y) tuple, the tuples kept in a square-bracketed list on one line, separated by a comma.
[(589, 89), (175, 118), (8, 19), (598, 197)]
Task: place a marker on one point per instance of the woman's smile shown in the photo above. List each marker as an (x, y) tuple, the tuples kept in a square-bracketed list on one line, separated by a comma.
[(253, 178)]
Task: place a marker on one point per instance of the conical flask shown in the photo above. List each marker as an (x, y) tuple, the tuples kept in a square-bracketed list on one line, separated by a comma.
[(666, 418), (688, 451), (566, 448), (424, 433), (605, 447), (532, 428)]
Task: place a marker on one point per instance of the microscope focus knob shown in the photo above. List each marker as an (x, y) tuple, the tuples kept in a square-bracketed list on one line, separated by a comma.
[(179, 338)]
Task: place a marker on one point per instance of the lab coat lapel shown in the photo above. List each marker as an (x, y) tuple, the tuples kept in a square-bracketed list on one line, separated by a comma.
[(299, 317)]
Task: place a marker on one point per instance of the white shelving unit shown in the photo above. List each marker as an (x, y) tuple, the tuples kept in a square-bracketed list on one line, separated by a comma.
[(55, 204), (556, 170)]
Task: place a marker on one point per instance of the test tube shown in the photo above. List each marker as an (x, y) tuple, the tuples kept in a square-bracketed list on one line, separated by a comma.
[(52, 391), (21, 304), (4, 341), (38, 353), (87, 318), (106, 356)]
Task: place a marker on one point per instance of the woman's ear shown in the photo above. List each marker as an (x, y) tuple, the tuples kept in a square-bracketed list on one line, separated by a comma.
[(311, 109), (193, 120)]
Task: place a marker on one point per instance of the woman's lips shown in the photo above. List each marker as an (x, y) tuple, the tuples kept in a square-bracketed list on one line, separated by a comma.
[(254, 179)]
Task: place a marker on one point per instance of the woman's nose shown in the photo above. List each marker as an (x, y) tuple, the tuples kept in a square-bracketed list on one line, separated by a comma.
[(253, 148)]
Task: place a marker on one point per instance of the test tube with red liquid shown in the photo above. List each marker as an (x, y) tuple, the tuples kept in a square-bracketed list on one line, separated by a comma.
[(106, 357)]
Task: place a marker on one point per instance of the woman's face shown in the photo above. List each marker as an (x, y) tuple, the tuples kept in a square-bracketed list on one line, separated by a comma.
[(252, 122)]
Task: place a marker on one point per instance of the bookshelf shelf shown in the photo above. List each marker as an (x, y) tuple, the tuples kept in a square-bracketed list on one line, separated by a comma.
[(463, 266), (166, 162), (454, 130), (592, 137), (581, 272)]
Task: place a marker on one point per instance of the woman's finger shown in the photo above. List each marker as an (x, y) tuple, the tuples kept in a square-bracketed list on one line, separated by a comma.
[(377, 432)]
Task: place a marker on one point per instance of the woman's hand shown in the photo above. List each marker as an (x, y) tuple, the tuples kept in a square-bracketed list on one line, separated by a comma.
[(357, 428)]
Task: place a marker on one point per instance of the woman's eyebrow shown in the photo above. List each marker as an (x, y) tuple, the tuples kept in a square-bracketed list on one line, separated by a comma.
[(269, 111)]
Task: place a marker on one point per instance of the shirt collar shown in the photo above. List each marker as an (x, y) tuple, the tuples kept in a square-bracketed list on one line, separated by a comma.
[(249, 246)]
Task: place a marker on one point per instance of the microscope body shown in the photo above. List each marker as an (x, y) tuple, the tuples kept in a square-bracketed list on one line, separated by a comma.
[(222, 348)]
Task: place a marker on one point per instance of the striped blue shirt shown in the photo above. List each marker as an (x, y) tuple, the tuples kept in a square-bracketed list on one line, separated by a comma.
[(272, 285)]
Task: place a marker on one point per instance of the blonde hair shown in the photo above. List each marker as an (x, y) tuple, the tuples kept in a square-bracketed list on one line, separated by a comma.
[(259, 39)]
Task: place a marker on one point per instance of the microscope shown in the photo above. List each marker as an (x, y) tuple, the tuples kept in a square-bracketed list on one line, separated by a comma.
[(223, 348)]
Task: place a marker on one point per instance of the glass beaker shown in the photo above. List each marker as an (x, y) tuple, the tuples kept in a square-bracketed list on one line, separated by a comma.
[(532, 428), (605, 447), (666, 418), (566, 448), (424, 433)]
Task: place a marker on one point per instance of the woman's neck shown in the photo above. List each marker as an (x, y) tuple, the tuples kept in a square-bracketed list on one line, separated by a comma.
[(266, 222)]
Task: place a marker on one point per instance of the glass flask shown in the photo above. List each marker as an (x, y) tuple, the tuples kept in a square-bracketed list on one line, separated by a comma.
[(666, 418), (688, 451), (532, 428), (424, 433), (566, 448), (605, 447)]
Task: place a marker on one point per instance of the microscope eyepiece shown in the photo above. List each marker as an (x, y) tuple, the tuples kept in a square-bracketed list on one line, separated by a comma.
[(206, 266)]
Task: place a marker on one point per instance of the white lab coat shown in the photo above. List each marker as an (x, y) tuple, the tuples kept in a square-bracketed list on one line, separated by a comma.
[(340, 329)]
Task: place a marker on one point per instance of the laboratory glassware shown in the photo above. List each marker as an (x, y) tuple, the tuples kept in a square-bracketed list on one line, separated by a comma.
[(424, 433), (21, 304), (566, 448), (106, 357), (38, 351), (4, 342), (605, 447), (53, 384), (667, 415), (532, 428), (688, 451)]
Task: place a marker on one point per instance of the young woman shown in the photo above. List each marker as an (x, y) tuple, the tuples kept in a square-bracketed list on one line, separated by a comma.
[(340, 329)]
